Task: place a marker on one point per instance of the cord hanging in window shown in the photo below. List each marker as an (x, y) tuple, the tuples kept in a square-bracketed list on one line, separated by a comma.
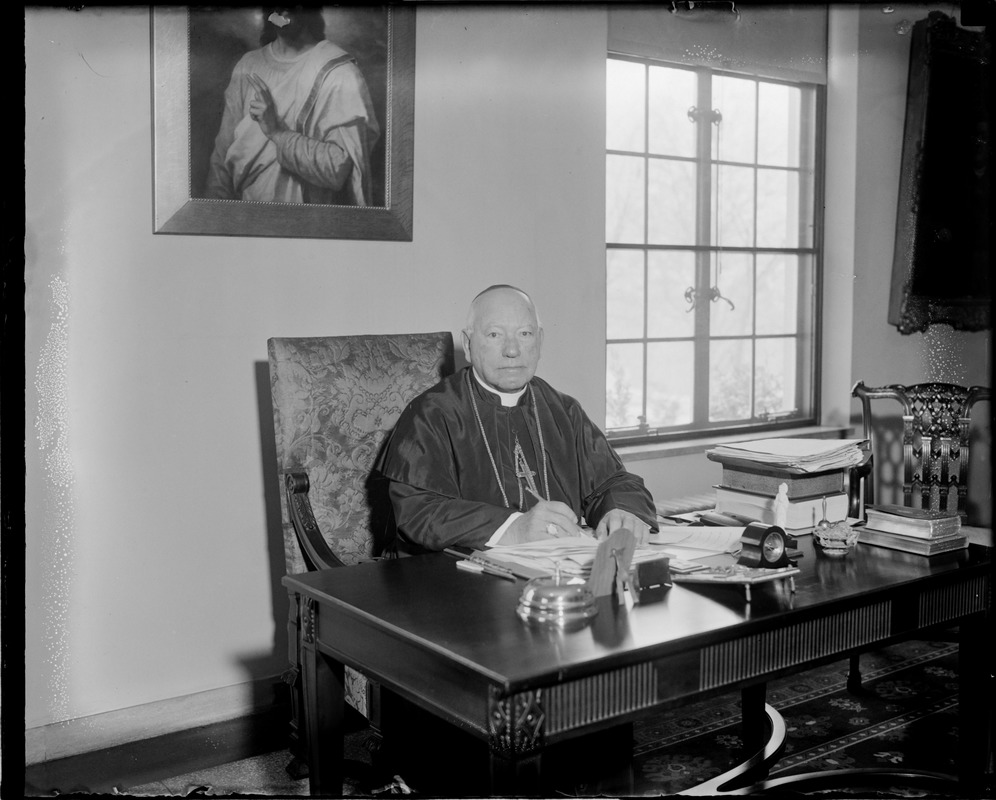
[(714, 293)]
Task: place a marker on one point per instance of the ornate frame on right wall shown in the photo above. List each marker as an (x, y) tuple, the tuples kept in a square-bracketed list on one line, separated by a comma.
[(940, 270)]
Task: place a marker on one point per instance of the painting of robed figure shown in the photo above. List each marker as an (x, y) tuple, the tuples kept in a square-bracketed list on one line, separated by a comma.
[(306, 109)]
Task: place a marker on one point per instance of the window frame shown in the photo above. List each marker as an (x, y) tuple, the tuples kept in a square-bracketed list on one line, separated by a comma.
[(643, 434)]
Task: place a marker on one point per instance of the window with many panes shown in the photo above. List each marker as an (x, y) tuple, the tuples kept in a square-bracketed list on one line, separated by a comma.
[(712, 249)]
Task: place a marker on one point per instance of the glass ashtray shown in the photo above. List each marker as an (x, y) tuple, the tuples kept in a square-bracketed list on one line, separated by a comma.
[(836, 539)]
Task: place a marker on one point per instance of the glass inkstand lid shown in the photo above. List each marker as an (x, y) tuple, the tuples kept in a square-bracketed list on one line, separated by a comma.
[(552, 600)]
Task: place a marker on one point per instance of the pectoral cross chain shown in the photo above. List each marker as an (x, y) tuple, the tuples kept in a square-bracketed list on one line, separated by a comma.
[(522, 471)]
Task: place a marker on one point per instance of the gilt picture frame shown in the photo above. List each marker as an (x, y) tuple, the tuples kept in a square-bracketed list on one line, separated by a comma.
[(193, 54)]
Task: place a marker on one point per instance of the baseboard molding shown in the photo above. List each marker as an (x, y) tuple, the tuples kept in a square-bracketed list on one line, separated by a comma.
[(114, 770), (112, 728)]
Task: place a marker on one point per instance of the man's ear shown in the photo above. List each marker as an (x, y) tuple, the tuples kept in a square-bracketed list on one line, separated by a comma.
[(466, 344)]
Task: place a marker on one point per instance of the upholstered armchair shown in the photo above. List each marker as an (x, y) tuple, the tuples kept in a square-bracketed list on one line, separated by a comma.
[(335, 400)]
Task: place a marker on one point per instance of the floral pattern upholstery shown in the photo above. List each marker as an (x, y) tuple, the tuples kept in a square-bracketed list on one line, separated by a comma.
[(335, 399)]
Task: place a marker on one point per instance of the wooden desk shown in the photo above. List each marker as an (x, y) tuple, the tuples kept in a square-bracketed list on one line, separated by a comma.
[(450, 642)]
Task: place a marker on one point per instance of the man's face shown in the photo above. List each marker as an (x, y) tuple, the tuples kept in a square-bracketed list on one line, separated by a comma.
[(505, 342)]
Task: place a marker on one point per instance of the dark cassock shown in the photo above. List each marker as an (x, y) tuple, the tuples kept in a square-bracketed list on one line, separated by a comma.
[(459, 463)]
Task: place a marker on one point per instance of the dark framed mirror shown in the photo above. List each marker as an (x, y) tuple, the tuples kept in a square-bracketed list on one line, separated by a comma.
[(941, 263)]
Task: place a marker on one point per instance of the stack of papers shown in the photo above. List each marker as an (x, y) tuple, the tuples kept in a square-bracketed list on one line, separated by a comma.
[(574, 556), (698, 541), (805, 455)]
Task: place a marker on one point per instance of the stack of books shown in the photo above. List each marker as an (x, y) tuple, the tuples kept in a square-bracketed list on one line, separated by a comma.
[(913, 530), (802, 512), (813, 472)]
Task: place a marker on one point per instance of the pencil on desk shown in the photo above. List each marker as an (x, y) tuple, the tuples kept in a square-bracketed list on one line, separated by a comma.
[(473, 564)]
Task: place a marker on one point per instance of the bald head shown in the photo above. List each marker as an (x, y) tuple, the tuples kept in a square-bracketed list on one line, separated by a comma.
[(499, 292), (503, 337)]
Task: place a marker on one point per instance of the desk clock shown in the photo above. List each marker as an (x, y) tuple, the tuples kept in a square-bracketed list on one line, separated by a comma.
[(766, 546)]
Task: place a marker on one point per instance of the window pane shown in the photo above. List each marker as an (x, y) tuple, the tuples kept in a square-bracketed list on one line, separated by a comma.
[(669, 274), (671, 195), (730, 380), (733, 224), (774, 376), (744, 353), (733, 139), (777, 208), (623, 385), (624, 105), (670, 382), (624, 199), (624, 294), (672, 93), (777, 293), (778, 125), (735, 280)]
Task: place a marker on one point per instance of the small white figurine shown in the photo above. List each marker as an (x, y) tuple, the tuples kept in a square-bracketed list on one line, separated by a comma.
[(781, 505)]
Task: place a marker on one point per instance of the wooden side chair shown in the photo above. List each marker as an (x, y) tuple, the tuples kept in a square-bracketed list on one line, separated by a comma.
[(928, 462), (935, 443), (335, 400)]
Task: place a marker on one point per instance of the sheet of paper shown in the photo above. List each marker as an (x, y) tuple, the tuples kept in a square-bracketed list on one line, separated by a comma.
[(795, 448), (702, 539)]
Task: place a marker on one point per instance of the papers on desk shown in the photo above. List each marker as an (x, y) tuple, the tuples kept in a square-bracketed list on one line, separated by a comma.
[(698, 541), (575, 555), (805, 455)]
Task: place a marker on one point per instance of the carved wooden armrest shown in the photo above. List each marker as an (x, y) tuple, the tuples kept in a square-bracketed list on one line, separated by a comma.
[(316, 550)]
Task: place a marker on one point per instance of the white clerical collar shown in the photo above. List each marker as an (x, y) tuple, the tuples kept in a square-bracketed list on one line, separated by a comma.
[(508, 399)]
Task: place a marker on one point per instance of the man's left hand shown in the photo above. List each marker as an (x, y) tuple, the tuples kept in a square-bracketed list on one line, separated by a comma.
[(616, 518)]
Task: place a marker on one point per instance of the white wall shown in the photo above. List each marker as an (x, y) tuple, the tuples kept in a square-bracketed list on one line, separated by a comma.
[(881, 354), (150, 568), (151, 572)]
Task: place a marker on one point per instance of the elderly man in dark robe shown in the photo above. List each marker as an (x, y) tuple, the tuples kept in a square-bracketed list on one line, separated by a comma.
[(494, 455)]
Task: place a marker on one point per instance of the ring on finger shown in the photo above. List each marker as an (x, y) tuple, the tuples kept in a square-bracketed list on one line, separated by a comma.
[(551, 529)]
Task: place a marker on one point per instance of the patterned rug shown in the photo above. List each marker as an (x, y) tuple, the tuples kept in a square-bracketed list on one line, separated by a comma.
[(905, 716)]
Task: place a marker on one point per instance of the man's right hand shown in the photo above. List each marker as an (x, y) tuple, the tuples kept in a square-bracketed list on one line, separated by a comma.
[(546, 520)]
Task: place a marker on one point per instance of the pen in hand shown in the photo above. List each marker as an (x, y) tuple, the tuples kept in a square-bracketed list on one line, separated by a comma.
[(551, 528)]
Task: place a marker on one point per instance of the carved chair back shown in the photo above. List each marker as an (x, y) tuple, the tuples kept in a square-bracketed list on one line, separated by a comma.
[(932, 469)]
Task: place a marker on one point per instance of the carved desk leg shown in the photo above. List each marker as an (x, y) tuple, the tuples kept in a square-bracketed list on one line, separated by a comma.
[(516, 733), (298, 766), (324, 699)]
